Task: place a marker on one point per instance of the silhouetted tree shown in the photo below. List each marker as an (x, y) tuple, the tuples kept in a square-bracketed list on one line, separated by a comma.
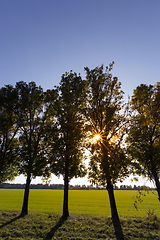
[(8, 129), (107, 123), (144, 134), (34, 120), (67, 152)]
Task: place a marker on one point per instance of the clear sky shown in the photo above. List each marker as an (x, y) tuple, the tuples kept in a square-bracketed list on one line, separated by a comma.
[(40, 40)]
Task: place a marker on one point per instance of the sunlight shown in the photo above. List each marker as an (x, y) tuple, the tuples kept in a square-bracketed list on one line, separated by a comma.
[(96, 138)]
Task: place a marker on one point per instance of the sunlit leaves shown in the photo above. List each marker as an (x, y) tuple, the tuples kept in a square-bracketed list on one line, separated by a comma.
[(107, 121)]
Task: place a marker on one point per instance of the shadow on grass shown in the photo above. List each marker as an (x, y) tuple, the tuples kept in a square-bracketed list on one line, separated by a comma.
[(10, 221), (55, 228)]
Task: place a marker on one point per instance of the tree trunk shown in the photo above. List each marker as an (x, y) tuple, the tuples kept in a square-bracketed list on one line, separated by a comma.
[(156, 179), (114, 213), (65, 201), (26, 197)]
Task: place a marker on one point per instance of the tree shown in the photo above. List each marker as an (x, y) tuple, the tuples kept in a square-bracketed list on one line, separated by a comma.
[(67, 154), (107, 122), (34, 120), (8, 129), (144, 134)]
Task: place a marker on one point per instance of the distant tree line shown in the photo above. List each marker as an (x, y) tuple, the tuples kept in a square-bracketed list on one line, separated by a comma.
[(48, 132), (71, 187)]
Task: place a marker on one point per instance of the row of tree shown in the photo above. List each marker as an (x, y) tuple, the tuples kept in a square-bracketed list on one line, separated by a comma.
[(48, 132), (71, 187)]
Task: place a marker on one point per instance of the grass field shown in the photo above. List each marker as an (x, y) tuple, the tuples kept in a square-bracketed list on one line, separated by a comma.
[(89, 215), (77, 227), (91, 202)]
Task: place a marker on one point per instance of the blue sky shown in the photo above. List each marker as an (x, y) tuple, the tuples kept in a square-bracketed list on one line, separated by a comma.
[(40, 40)]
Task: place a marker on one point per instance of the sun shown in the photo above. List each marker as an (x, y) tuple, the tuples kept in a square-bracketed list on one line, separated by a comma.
[(96, 138)]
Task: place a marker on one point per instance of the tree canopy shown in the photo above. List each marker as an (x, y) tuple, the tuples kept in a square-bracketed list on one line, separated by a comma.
[(9, 126), (34, 119), (47, 132), (107, 123), (106, 115), (144, 134), (67, 155)]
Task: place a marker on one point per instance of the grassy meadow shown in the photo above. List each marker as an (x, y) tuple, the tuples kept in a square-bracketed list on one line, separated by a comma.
[(91, 202), (52, 226), (90, 216)]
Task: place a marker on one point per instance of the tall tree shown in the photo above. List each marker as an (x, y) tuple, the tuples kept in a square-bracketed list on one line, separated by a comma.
[(144, 134), (34, 121), (107, 123), (67, 152), (8, 130)]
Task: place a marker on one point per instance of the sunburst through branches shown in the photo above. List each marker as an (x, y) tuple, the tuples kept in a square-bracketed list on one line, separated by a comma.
[(96, 138)]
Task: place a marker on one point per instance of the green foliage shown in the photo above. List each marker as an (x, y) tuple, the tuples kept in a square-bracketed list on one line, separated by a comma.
[(9, 126), (33, 112), (144, 134), (139, 196), (151, 215), (67, 155), (106, 115)]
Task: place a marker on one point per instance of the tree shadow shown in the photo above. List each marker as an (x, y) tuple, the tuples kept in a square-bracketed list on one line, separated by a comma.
[(10, 221), (118, 229), (55, 228)]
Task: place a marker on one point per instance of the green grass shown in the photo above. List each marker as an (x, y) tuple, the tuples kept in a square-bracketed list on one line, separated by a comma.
[(52, 226), (91, 202), (89, 215)]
